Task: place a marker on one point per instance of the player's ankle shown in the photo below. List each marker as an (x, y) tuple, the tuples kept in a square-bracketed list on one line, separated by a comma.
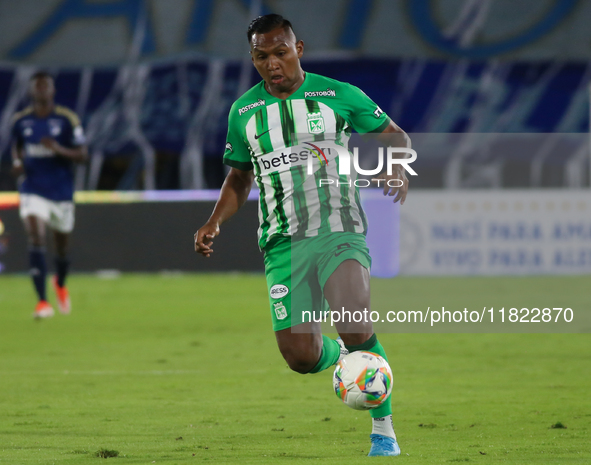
[(383, 426)]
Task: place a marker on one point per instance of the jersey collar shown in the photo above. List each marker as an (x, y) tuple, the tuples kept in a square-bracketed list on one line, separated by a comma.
[(267, 95)]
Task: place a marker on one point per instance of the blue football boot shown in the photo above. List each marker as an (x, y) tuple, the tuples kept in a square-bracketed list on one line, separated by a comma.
[(382, 446)]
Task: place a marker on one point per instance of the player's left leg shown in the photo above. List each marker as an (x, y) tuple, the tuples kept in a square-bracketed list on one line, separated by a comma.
[(36, 230), (293, 293), (348, 287), (62, 223), (35, 212), (62, 265)]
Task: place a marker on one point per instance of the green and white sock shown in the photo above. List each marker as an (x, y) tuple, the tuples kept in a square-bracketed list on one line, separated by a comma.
[(331, 351), (383, 426)]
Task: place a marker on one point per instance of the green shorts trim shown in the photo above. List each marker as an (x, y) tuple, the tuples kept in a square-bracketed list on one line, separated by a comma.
[(297, 271)]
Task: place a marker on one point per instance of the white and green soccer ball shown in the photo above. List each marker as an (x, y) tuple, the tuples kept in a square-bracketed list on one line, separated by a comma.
[(363, 380)]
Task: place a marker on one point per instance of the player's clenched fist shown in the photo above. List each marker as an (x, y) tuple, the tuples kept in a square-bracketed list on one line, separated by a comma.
[(203, 238)]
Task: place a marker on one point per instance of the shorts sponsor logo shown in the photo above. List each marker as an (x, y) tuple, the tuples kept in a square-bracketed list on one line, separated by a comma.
[(280, 311), (246, 108), (321, 93), (278, 291)]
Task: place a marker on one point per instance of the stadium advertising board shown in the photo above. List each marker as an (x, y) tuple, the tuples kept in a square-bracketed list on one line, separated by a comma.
[(496, 232)]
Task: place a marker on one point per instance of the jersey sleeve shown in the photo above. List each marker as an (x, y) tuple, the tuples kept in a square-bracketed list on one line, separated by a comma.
[(75, 134), (78, 137), (236, 154), (364, 114)]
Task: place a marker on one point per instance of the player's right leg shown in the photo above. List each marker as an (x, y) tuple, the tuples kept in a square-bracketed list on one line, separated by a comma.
[(348, 287), (62, 223), (62, 265), (295, 300), (35, 213), (344, 275), (35, 228), (301, 350), (307, 350)]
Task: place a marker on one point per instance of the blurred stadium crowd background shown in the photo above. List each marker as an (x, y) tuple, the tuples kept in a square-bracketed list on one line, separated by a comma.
[(495, 95)]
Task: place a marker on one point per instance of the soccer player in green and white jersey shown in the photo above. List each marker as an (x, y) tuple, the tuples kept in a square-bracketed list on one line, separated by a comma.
[(288, 133)]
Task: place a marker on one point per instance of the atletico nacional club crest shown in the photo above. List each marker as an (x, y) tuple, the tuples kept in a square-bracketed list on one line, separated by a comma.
[(280, 310), (315, 123)]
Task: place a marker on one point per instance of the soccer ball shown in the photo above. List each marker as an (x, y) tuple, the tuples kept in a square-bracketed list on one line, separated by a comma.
[(362, 380)]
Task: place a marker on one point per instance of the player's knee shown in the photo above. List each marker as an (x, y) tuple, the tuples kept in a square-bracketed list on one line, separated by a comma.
[(356, 339), (36, 240), (61, 244), (61, 252), (301, 366), (354, 327), (300, 361), (355, 330)]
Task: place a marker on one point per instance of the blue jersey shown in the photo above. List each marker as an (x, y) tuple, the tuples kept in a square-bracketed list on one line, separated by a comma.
[(46, 173)]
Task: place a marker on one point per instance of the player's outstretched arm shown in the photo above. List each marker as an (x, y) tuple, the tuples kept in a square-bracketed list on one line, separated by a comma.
[(232, 196), (394, 136)]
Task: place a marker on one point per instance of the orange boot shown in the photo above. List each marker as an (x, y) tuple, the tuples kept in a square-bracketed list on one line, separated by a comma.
[(63, 297), (43, 310)]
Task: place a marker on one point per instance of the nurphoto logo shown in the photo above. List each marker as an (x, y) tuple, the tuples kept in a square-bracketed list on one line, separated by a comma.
[(323, 155), (330, 162)]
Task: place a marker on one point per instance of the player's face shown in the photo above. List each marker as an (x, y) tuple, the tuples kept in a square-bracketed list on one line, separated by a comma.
[(276, 56), (42, 89)]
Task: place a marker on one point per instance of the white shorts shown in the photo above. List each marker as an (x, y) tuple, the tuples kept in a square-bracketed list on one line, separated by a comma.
[(59, 215)]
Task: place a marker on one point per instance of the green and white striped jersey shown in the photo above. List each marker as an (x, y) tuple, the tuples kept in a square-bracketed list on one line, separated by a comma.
[(294, 144)]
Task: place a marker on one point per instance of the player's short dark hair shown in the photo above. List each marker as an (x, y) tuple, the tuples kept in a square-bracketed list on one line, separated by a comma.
[(41, 75), (267, 23)]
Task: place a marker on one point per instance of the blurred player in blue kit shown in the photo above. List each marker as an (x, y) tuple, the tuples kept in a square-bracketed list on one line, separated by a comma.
[(47, 141)]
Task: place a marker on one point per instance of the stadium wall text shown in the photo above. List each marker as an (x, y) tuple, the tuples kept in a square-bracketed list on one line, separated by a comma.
[(519, 232)]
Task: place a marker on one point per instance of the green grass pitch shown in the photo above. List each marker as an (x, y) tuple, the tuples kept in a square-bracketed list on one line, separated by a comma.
[(184, 369)]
